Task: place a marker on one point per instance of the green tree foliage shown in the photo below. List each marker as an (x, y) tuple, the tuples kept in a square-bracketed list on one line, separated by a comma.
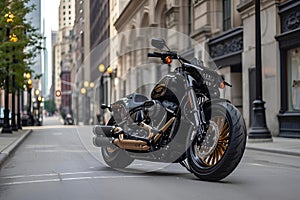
[(18, 55), (50, 106)]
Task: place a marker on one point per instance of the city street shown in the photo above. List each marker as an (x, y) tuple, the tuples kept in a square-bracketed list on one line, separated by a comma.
[(59, 162)]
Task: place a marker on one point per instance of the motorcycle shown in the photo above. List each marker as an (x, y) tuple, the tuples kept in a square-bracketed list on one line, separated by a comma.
[(185, 122), (69, 120)]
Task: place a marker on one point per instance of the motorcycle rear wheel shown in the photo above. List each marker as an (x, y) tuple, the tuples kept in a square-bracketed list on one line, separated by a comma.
[(114, 156), (215, 160)]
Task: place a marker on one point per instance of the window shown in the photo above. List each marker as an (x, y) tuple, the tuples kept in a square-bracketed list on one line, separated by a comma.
[(226, 14), (293, 62)]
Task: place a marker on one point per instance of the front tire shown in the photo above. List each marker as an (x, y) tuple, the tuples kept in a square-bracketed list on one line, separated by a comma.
[(223, 146)]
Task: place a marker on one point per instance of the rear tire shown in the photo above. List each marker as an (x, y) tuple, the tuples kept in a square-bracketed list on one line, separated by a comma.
[(213, 162), (114, 156)]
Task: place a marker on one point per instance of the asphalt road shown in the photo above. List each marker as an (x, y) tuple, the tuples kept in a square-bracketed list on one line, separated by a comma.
[(59, 162)]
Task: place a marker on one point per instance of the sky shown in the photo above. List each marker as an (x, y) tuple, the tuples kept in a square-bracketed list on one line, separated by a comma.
[(50, 15)]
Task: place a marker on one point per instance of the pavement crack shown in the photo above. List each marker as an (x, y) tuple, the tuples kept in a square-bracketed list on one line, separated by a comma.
[(58, 176)]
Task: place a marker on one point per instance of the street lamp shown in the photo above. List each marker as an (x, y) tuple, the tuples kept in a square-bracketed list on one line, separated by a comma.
[(14, 126), (39, 101), (19, 124), (86, 109), (29, 89), (258, 129), (102, 69), (6, 126), (37, 92), (20, 95)]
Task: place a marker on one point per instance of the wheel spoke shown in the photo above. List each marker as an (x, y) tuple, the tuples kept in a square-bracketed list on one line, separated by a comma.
[(222, 143)]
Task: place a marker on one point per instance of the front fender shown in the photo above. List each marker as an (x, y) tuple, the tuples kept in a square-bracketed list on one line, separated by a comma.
[(206, 107)]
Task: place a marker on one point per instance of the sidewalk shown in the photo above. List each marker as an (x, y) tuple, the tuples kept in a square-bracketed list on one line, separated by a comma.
[(288, 146), (9, 142)]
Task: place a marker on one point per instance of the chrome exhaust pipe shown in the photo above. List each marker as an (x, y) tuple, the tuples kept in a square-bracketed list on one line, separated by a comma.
[(103, 130), (100, 141)]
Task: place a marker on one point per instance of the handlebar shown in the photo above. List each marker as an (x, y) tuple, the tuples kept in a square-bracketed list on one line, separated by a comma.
[(163, 55), (187, 64), (154, 55)]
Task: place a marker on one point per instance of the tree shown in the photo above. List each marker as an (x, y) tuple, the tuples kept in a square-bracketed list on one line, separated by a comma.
[(50, 106), (18, 55)]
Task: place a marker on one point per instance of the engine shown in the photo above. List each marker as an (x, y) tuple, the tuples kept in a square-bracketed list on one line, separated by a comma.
[(154, 116)]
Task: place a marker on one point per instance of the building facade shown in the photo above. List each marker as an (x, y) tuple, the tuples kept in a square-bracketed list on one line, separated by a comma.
[(53, 42), (225, 36), (79, 68), (63, 55)]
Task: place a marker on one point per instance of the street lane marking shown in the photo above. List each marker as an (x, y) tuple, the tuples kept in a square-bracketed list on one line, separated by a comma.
[(259, 165), (68, 179), (50, 174), (275, 166)]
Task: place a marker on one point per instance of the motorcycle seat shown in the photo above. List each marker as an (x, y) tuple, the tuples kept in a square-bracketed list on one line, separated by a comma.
[(136, 100)]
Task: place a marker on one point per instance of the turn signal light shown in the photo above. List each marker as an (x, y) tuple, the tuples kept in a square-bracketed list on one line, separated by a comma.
[(222, 85), (168, 60)]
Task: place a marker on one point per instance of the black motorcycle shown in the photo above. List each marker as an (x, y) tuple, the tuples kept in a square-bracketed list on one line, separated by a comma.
[(185, 122), (69, 120)]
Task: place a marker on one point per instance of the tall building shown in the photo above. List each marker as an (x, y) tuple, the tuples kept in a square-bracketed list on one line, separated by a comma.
[(99, 35), (35, 18), (53, 42), (44, 79), (116, 8), (63, 54), (80, 51)]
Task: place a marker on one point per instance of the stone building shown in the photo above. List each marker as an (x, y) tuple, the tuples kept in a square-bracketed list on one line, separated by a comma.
[(63, 54), (79, 45), (225, 34)]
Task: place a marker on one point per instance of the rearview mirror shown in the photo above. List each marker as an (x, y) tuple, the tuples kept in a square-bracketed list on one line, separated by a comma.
[(158, 43)]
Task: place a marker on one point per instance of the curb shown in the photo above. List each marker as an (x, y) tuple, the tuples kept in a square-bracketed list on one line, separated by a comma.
[(278, 151), (6, 153)]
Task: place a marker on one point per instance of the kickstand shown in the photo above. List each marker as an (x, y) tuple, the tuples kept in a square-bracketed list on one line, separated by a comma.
[(185, 164)]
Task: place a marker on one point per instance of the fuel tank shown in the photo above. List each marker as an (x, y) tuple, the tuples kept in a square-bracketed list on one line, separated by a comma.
[(171, 87)]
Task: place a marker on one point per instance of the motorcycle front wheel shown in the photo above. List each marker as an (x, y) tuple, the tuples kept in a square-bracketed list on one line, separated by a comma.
[(114, 156), (222, 148)]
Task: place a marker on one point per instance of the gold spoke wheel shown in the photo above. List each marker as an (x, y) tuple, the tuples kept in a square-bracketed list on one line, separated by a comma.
[(222, 143)]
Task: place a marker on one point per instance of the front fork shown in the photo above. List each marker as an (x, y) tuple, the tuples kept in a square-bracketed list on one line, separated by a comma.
[(196, 116)]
